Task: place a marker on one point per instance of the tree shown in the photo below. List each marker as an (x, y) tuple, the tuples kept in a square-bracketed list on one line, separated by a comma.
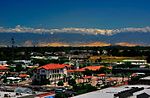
[(88, 72), (18, 68), (5, 80), (40, 61), (72, 82), (104, 70), (64, 77), (60, 83), (30, 71), (9, 62), (12, 68), (148, 59), (62, 60)]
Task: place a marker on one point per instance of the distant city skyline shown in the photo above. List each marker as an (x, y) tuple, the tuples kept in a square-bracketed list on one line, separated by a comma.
[(102, 14)]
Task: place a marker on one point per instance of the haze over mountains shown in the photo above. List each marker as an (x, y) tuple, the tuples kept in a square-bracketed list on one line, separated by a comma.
[(74, 36), (30, 39)]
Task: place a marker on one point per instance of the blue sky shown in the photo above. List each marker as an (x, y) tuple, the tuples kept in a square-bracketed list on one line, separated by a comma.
[(103, 14)]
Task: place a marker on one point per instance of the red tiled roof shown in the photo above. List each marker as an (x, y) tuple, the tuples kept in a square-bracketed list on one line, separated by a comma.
[(71, 71), (53, 66), (12, 72), (101, 75), (87, 77), (111, 79), (3, 67), (76, 70), (23, 75), (93, 68)]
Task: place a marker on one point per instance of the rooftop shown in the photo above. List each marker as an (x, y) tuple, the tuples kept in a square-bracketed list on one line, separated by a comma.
[(23, 75), (14, 95), (93, 68), (3, 67), (145, 78), (53, 66), (109, 92)]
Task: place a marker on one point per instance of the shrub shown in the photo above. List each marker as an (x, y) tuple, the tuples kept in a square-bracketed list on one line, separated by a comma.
[(60, 83)]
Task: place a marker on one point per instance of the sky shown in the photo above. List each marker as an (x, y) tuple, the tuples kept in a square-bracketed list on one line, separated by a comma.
[(102, 14)]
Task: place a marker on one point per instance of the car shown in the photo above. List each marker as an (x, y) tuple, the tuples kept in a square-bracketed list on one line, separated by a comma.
[(60, 90), (70, 93), (67, 92)]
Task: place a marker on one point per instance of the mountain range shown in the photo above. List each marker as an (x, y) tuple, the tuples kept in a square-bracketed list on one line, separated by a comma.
[(79, 39)]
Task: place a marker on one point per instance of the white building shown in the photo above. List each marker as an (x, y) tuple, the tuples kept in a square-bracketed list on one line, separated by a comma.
[(52, 72), (136, 62)]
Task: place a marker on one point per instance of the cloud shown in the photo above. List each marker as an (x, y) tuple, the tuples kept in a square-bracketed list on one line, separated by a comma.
[(144, 29), (94, 31)]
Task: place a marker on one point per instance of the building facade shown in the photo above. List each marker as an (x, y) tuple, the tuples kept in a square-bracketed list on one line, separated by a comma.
[(51, 72)]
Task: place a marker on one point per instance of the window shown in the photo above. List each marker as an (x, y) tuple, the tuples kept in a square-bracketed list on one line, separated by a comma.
[(42, 71), (57, 70)]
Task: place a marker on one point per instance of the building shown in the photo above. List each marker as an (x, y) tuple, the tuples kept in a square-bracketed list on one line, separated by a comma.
[(92, 68), (4, 94), (52, 72), (144, 80), (3, 68), (3, 62), (128, 91), (136, 62), (95, 68)]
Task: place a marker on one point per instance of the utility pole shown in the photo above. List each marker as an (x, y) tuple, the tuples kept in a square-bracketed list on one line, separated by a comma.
[(12, 46)]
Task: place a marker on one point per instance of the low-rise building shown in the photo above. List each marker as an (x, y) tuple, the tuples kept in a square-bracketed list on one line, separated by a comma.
[(4, 94), (92, 68), (136, 62), (3, 68), (52, 72), (127, 91)]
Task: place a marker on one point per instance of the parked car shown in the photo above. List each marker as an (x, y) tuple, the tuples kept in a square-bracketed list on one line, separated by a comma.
[(70, 93), (60, 90), (67, 92)]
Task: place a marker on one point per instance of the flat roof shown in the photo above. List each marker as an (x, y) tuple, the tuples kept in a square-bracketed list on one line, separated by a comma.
[(134, 60), (145, 78), (12, 94), (109, 92)]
